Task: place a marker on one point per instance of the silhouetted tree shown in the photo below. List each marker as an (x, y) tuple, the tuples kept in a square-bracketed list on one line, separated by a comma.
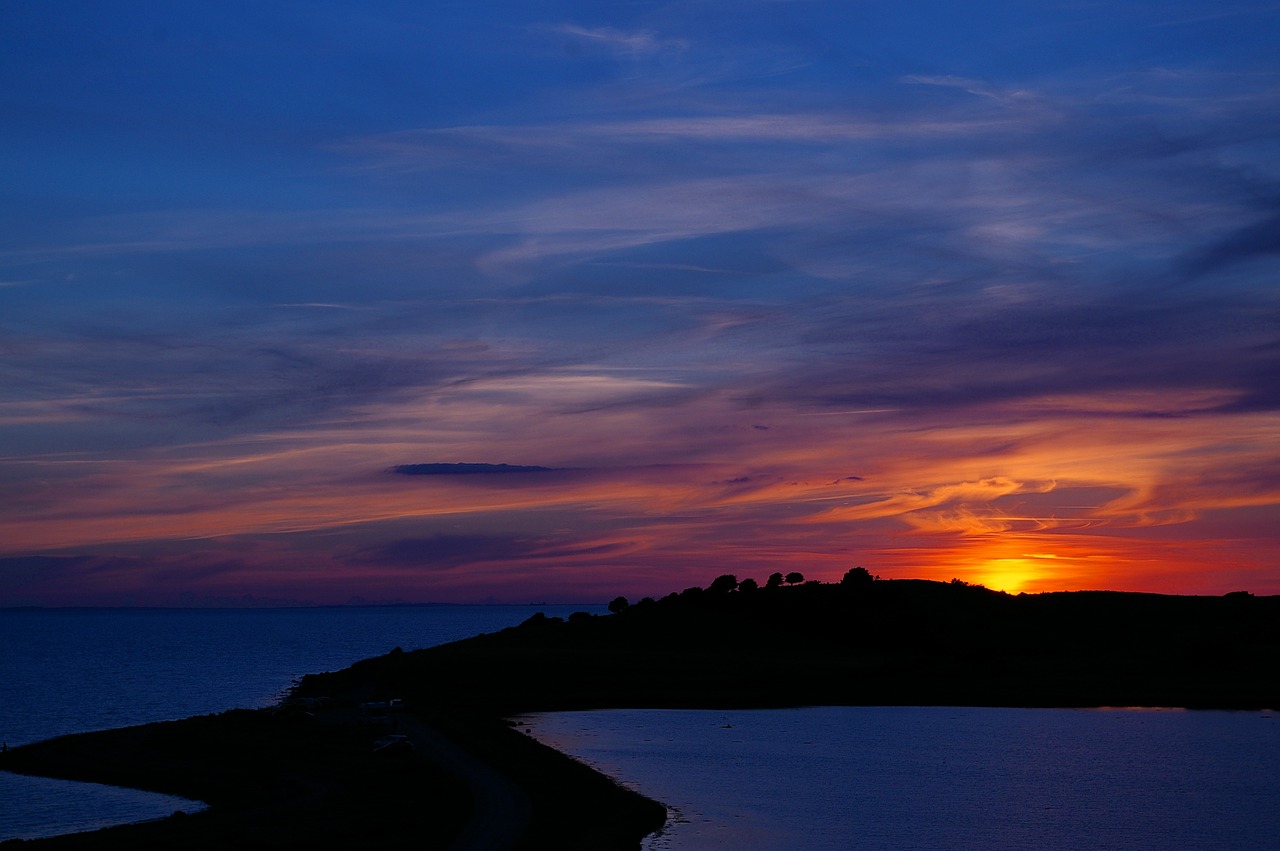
[(617, 604), (774, 580), (795, 577), (857, 577), (723, 584), (748, 585)]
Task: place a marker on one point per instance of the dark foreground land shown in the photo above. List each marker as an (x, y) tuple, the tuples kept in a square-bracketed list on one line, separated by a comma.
[(312, 781), (307, 778)]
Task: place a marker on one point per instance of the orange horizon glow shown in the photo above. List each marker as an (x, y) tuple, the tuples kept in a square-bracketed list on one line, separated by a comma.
[(1071, 504)]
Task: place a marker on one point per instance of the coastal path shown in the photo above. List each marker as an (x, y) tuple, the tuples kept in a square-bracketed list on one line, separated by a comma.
[(500, 809)]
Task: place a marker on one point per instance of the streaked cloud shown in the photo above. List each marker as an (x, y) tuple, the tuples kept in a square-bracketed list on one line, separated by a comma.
[(466, 469), (628, 43), (980, 294)]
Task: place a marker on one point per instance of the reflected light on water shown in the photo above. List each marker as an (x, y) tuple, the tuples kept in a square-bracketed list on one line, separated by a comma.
[(844, 778)]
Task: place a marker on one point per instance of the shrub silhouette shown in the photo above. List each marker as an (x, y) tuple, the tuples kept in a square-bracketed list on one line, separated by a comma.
[(795, 577), (774, 580), (723, 584), (857, 577), (617, 604)]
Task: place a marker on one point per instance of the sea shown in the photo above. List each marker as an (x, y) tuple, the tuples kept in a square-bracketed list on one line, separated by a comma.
[(797, 779)]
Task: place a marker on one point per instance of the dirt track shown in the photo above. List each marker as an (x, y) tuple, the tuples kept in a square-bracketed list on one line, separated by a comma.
[(500, 811)]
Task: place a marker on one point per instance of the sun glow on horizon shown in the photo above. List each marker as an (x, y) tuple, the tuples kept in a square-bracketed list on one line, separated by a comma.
[(1029, 562), (1012, 575)]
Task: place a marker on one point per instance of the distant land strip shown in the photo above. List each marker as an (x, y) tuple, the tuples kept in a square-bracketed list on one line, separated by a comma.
[(465, 469)]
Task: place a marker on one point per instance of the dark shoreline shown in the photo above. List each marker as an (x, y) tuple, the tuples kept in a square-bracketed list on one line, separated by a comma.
[(284, 783), (305, 777)]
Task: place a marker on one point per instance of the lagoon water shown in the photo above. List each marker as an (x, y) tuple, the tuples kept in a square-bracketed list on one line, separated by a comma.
[(934, 777), (74, 670)]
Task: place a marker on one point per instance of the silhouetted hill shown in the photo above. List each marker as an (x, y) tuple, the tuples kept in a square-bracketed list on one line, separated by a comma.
[(882, 642)]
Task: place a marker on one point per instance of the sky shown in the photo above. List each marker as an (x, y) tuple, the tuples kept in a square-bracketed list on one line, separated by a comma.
[(520, 301)]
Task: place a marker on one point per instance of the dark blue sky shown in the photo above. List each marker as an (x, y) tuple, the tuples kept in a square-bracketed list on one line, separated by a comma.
[(983, 290)]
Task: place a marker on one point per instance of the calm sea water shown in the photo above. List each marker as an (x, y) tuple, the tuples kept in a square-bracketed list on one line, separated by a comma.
[(929, 778), (74, 670)]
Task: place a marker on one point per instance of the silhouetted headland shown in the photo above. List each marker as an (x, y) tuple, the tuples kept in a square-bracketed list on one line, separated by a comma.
[(304, 772), (862, 641)]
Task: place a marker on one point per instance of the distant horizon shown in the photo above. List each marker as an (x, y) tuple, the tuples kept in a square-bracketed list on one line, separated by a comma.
[(576, 299), (273, 607), (269, 605)]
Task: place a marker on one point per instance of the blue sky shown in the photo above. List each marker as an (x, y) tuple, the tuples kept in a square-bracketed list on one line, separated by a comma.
[(983, 290)]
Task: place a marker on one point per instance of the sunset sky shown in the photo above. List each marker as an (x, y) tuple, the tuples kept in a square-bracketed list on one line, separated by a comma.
[(984, 290)]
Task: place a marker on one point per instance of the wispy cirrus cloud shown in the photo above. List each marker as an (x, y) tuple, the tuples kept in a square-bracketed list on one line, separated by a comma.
[(615, 40), (974, 87), (977, 292), (450, 552), (1255, 241), (571, 142)]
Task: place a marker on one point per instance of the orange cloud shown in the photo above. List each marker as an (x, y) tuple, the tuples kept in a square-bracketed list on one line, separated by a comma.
[(1016, 502)]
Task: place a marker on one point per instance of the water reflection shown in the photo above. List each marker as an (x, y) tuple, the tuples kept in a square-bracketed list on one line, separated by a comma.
[(36, 807), (928, 777)]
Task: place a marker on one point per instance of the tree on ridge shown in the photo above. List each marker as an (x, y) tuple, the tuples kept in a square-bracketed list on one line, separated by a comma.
[(723, 584)]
